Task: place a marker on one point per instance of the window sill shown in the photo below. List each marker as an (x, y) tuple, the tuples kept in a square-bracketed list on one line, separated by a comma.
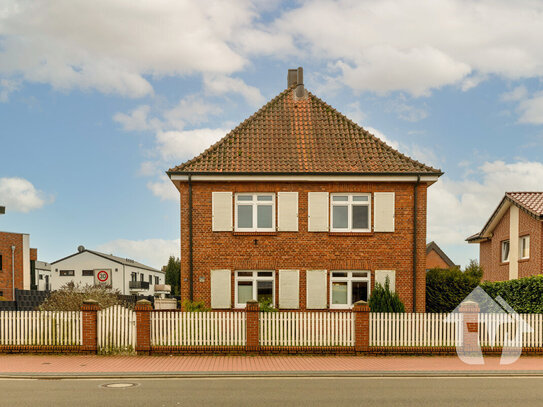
[(524, 260), (504, 263), (350, 233), (255, 233)]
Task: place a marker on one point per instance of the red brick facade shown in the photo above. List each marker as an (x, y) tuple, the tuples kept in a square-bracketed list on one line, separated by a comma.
[(6, 241), (434, 260), (304, 250), (490, 250)]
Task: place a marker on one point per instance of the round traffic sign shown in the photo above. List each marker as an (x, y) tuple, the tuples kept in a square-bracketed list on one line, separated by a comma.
[(103, 276)]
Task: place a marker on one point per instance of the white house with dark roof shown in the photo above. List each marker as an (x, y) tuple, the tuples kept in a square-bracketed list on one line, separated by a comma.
[(89, 267)]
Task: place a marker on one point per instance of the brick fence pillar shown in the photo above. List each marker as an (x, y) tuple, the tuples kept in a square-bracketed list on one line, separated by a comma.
[(470, 328), (143, 326), (252, 323), (361, 326), (89, 335)]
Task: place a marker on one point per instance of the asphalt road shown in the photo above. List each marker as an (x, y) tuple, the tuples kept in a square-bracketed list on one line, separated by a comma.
[(263, 392)]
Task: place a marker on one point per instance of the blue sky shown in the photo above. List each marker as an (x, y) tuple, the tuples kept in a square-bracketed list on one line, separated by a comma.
[(98, 99)]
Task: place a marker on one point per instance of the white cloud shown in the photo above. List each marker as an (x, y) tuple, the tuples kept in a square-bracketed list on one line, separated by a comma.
[(19, 195), (114, 46), (518, 93), (190, 110), (531, 110), (136, 120), (460, 208), (182, 145), (164, 189), (6, 87), (406, 111), (419, 45), (151, 252), (221, 84)]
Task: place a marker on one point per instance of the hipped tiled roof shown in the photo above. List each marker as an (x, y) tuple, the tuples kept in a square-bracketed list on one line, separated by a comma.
[(300, 136)]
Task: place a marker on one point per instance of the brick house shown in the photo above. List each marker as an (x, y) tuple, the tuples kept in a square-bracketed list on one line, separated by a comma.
[(436, 258), (510, 243), (17, 263), (301, 206)]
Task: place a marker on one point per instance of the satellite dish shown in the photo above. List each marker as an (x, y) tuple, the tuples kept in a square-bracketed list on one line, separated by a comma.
[(80, 248)]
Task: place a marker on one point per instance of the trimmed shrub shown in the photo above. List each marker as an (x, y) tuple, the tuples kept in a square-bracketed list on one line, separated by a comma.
[(194, 306), (524, 295), (384, 300), (70, 297), (445, 289), (266, 305)]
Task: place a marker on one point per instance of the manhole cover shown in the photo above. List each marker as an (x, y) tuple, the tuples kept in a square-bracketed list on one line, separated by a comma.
[(118, 385)]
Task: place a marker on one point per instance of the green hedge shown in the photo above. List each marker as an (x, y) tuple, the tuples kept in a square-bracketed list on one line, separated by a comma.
[(524, 295), (445, 289)]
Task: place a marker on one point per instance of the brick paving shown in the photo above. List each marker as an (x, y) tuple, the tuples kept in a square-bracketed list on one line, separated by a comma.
[(186, 365)]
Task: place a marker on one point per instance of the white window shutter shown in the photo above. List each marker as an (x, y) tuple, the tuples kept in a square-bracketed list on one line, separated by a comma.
[(381, 276), (289, 289), (383, 211), (287, 211), (317, 211), (315, 289), (220, 289), (221, 211)]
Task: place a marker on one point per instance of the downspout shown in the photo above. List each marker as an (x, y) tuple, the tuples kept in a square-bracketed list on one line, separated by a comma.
[(12, 273), (191, 266), (415, 196)]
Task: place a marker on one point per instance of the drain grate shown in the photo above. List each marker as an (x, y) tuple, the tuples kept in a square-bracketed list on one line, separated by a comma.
[(118, 385)]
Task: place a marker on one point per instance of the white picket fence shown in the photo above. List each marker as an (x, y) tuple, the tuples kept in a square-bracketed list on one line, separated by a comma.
[(44, 328), (116, 329), (173, 328), (306, 329), (431, 330)]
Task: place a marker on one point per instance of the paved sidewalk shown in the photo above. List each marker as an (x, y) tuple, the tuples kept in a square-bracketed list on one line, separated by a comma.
[(130, 366)]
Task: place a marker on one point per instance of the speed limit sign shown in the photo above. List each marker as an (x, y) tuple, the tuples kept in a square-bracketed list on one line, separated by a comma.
[(102, 277)]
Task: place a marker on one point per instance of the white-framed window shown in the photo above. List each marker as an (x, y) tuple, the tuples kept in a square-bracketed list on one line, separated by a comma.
[(254, 285), (348, 287), (350, 212), (524, 247), (255, 212), (505, 251)]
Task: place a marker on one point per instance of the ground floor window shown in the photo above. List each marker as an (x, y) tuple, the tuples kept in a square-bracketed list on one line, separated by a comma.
[(254, 285), (348, 287)]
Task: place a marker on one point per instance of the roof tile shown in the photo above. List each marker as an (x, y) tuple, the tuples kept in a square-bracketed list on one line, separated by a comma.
[(289, 135)]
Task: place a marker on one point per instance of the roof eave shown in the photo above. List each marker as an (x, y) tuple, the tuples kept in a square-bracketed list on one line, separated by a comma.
[(343, 174)]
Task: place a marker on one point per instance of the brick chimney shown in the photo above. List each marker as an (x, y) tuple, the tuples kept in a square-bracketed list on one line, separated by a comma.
[(296, 77)]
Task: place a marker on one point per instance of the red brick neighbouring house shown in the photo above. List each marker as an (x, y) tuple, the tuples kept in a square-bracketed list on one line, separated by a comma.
[(302, 206), (436, 258), (17, 265), (510, 243)]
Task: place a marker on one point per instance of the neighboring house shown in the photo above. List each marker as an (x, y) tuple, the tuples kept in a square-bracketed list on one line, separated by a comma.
[(43, 276), (510, 243), (301, 206), (87, 266), (17, 263), (436, 258)]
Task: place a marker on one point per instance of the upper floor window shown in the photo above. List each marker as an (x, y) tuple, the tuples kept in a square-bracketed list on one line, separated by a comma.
[(87, 273), (0, 262), (255, 212), (524, 247), (350, 213), (348, 287), (505, 251), (157, 280)]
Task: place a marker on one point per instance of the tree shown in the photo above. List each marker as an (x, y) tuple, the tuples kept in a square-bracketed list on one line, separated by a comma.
[(70, 297), (173, 275), (384, 300)]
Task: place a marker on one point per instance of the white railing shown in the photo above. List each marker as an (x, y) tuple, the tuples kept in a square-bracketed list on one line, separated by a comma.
[(40, 328), (116, 329), (174, 328), (306, 329), (429, 330)]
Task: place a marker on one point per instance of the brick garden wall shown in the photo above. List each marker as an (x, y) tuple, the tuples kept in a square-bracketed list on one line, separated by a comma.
[(304, 250)]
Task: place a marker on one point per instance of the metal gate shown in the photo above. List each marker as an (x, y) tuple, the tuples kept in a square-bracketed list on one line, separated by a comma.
[(116, 330)]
